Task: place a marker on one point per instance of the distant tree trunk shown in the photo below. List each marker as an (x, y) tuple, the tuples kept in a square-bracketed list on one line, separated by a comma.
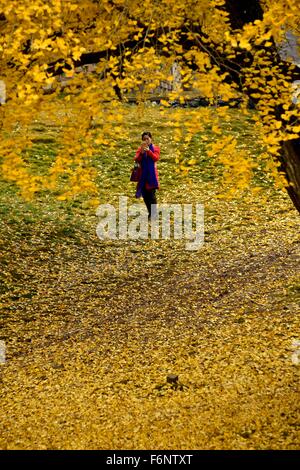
[(241, 13), (290, 165)]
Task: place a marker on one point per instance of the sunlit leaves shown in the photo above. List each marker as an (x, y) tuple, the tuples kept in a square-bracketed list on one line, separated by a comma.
[(137, 45)]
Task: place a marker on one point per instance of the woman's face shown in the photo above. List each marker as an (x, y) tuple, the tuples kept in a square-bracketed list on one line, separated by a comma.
[(147, 139)]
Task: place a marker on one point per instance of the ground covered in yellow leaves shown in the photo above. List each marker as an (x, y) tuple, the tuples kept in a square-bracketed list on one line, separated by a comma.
[(93, 328)]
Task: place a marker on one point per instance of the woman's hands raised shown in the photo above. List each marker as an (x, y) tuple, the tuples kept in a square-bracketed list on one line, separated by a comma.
[(145, 146)]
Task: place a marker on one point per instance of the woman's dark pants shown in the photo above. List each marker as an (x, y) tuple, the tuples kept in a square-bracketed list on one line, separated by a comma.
[(149, 197)]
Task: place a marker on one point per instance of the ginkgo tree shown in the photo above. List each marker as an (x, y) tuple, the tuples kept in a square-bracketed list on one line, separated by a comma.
[(221, 48)]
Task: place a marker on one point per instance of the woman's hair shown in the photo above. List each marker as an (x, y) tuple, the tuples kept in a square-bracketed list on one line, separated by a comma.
[(146, 133)]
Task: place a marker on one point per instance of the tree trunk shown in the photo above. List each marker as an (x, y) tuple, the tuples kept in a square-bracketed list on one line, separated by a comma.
[(290, 162)]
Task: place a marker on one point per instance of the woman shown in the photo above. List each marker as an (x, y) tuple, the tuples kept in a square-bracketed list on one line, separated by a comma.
[(147, 155)]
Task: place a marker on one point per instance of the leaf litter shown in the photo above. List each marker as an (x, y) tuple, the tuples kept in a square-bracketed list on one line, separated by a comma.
[(94, 328)]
